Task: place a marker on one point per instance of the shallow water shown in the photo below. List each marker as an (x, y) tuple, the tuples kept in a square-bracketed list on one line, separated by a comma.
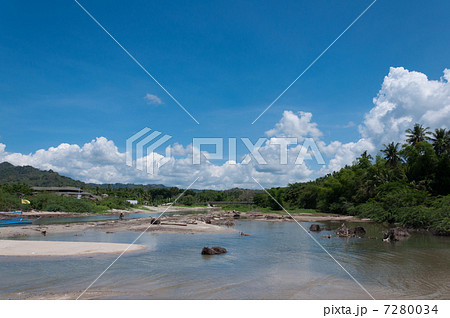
[(278, 261)]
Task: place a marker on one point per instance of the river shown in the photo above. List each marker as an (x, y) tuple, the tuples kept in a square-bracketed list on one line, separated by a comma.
[(277, 261)]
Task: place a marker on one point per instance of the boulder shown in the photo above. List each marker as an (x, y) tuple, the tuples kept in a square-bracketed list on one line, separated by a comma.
[(155, 221), (344, 231), (213, 250), (396, 234), (359, 231), (219, 250), (208, 251), (207, 220), (315, 228)]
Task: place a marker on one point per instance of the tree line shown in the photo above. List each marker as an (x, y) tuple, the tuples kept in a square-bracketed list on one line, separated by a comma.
[(407, 184)]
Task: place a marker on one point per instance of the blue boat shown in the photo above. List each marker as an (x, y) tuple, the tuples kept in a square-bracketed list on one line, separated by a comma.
[(14, 219)]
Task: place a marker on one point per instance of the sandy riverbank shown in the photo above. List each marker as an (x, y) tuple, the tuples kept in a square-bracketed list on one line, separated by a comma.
[(52, 248)]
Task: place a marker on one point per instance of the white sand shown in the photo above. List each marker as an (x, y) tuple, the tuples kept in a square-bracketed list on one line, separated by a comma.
[(52, 248)]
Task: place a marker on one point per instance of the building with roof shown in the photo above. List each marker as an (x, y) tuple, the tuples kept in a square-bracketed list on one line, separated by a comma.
[(67, 191)]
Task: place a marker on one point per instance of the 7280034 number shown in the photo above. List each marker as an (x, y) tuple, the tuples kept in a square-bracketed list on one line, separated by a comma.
[(410, 309)]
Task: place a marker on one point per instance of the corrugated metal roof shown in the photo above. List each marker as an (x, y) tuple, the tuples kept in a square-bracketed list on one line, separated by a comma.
[(56, 189)]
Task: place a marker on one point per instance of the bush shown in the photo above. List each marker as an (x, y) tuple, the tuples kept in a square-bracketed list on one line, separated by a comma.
[(261, 200), (442, 227), (115, 203), (53, 207), (441, 215), (188, 200), (275, 199), (416, 217), (52, 202), (10, 196), (79, 205), (373, 210), (432, 215), (9, 202), (101, 208)]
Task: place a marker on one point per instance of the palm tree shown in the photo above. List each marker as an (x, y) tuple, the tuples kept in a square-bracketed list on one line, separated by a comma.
[(365, 159), (391, 153), (366, 156), (441, 141), (417, 134)]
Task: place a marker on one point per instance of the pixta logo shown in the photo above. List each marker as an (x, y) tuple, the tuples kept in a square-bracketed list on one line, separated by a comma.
[(143, 144), (307, 150)]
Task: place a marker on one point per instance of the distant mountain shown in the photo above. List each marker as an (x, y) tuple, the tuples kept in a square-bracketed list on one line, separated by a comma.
[(127, 185), (10, 174)]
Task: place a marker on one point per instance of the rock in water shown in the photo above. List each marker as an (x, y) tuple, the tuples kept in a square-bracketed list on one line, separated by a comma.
[(344, 231), (208, 251), (219, 250), (396, 234), (213, 250), (359, 231), (315, 228)]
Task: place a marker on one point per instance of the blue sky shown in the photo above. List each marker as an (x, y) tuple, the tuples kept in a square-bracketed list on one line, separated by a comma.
[(63, 80)]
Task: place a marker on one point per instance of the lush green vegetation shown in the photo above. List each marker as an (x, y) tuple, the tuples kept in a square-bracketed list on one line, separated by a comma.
[(11, 195), (191, 198), (408, 184)]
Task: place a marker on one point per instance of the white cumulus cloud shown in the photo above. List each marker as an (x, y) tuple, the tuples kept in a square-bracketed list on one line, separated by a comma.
[(405, 98), (295, 125)]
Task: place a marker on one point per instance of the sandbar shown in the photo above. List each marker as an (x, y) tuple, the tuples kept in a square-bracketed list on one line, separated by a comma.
[(58, 248)]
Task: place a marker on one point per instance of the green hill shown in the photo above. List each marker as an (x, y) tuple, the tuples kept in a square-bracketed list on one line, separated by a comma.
[(10, 174)]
